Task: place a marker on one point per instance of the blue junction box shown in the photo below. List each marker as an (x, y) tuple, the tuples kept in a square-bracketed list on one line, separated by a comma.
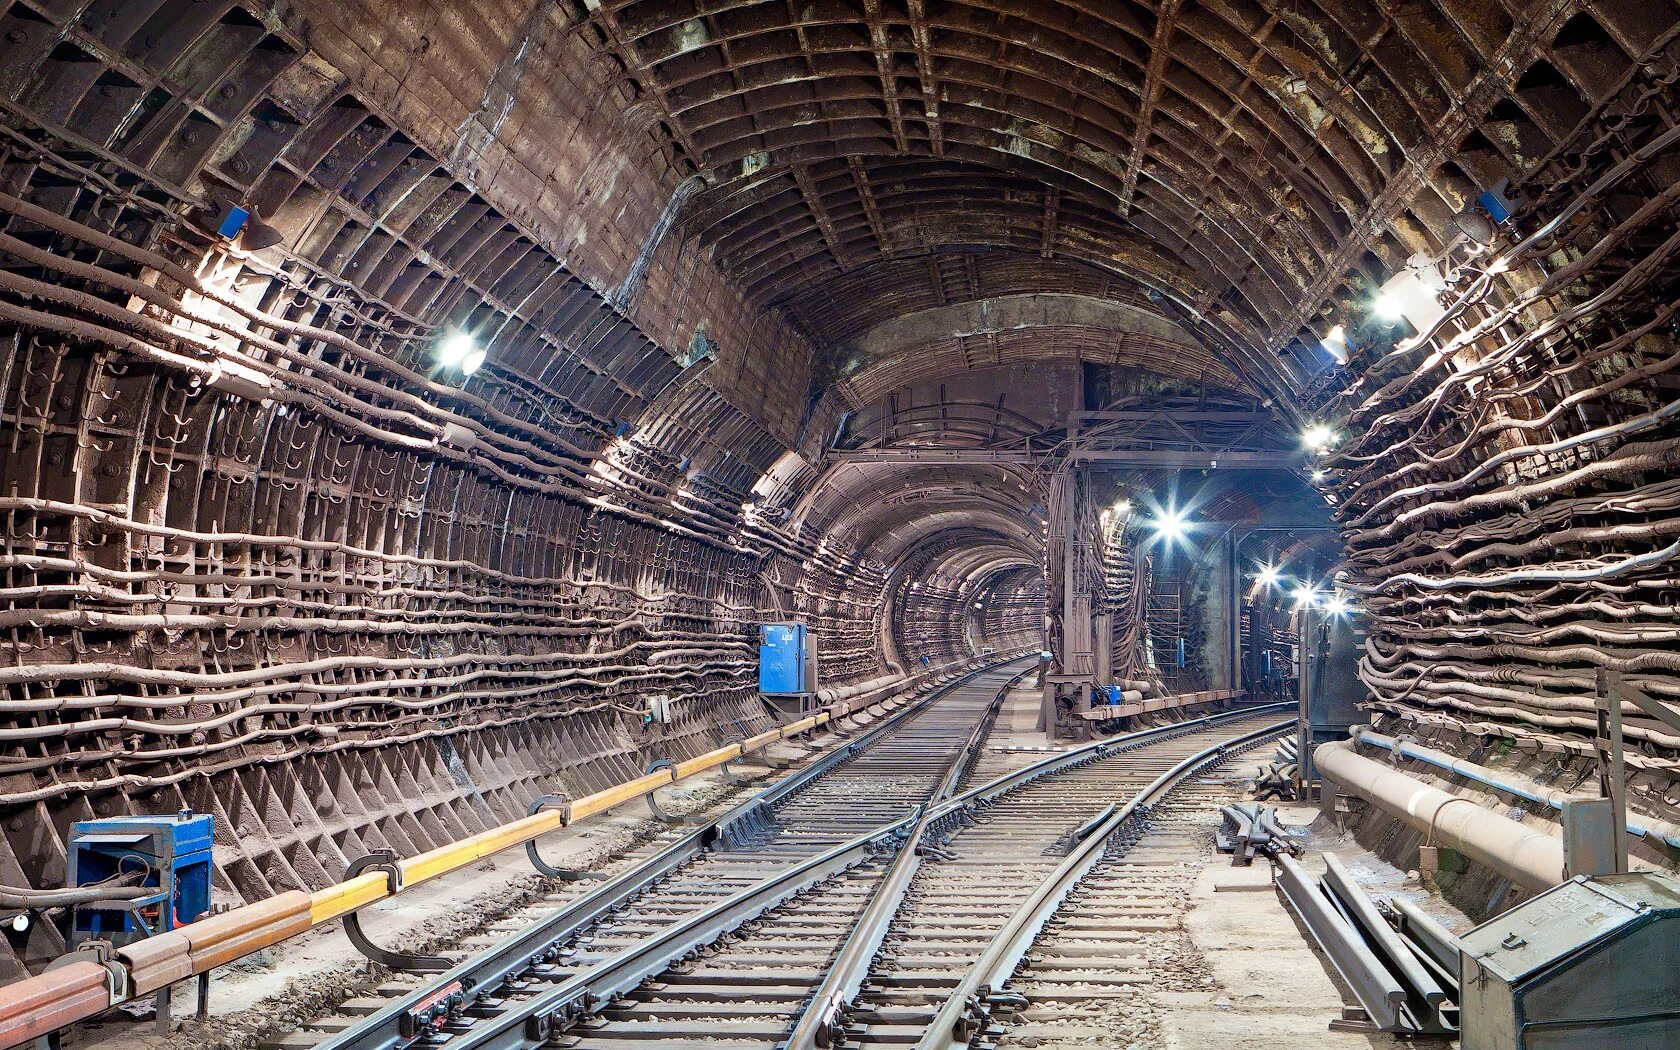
[(172, 851), (786, 665)]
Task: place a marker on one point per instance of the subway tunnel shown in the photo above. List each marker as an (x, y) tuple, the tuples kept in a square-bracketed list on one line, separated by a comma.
[(411, 414)]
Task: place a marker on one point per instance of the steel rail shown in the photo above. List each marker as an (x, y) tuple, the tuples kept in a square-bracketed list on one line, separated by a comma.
[(410, 1018), (966, 1006), (1362, 913), (532, 1024), (845, 977), (1401, 989), (977, 739), (820, 1021), (1436, 942), (1091, 752), (1380, 994)]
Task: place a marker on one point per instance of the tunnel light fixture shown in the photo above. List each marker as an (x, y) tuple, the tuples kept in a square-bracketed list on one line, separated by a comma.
[(1410, 295), (1319, 475), (1389, 307), (1319, 436), (1336, 605), (1170, 525), (458, 349), (1335, 343), (1306, 596), (1268, 576)]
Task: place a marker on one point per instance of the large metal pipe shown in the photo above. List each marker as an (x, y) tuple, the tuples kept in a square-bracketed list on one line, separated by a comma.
[(1522, 788), (1528, 857)]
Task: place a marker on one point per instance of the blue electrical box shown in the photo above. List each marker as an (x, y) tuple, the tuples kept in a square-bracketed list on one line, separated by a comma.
[(786, 664), (1496, 203), (232, 221), (1114, 695), (170, 854)]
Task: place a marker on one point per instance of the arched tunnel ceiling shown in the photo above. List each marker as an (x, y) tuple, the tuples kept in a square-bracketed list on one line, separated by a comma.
[(1243, 161), (977, 335), (843, 307), (869, 502)]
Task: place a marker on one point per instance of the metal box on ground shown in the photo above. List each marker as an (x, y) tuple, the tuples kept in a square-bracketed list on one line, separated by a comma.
[(1593, 964), (169, 853), (787, 666), (1330, 688)]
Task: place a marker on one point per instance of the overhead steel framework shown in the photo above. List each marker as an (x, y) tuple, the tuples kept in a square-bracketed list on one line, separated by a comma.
[(1169, 434)]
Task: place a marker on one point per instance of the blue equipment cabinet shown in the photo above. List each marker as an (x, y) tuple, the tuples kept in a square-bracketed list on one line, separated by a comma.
[(173, 851), (787, 666)]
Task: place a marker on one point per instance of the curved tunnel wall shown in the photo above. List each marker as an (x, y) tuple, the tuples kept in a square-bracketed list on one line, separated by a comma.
[(264, 560)]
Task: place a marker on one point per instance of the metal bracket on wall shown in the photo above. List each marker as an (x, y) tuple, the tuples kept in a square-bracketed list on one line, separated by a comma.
[(1613, 691), (385, 860), (653, 803), (544, 868), (730, 773), (733, 775)]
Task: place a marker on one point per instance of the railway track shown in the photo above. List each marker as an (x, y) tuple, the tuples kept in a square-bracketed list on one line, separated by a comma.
[(956, 908), (819, 823), (1093, 979), (729, 947)]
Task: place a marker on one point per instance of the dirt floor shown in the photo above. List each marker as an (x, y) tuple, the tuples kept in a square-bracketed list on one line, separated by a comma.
[(1240, 973), (1270, 986)]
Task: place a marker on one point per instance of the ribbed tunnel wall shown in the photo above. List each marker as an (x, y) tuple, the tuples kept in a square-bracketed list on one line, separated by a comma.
[(338, 602), (265, 557), (265, 560), (1508, 494)]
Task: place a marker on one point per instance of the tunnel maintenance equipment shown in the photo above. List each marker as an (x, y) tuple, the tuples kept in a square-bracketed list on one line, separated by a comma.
[(169, 853), (1591, 964), (787, 665)]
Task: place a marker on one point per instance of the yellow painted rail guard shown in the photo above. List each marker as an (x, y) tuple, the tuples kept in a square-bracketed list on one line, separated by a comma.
[(345, 897)]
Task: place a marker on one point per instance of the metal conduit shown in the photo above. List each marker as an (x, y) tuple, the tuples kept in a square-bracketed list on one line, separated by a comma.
[(1528, 857), (1660, 829)]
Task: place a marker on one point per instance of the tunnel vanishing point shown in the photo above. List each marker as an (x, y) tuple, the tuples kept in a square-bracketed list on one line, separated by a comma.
[(413, 413)]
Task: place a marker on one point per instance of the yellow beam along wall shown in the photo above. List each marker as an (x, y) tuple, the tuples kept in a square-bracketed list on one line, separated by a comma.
[(345, 897), (201, 946)]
